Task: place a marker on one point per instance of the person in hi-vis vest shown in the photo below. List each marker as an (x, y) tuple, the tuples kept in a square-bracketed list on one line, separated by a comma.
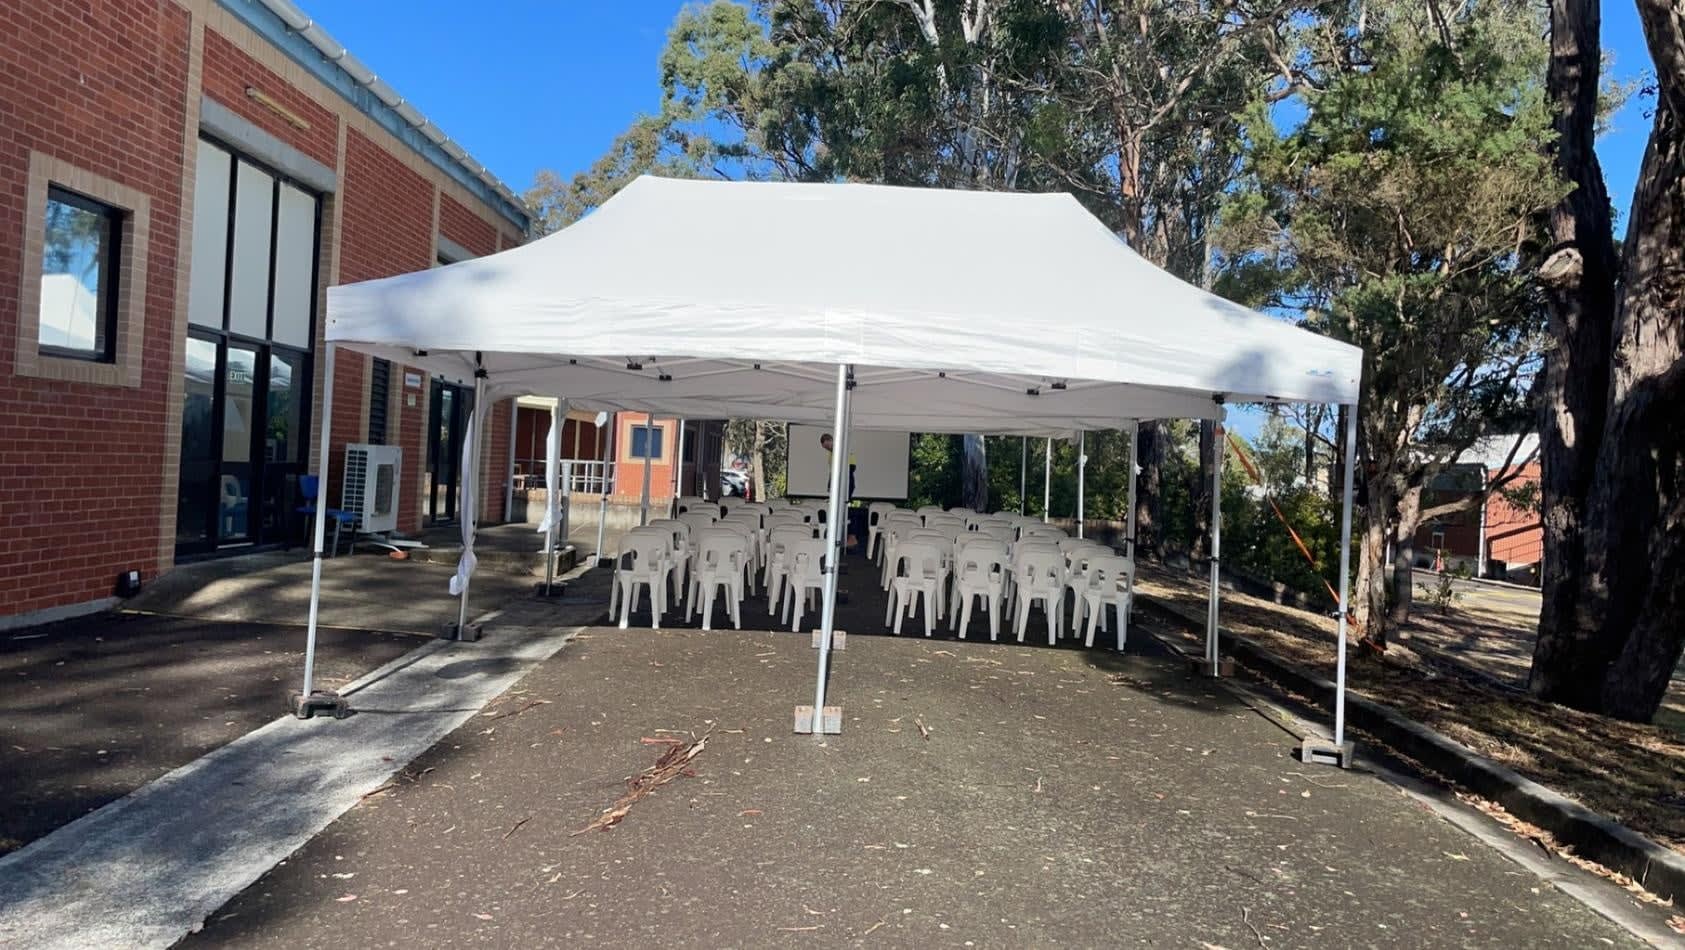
[(826, 442)]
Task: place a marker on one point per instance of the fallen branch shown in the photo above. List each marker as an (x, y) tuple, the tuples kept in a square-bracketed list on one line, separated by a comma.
[(672, 764), (518, 711), (516, 827), (1246, 918)]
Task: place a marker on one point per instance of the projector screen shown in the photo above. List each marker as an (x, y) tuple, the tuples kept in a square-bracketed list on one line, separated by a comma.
[(880, 463)]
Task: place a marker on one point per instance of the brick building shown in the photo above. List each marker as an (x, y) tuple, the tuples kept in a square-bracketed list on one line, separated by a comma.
[(182, 179), (1497, 538), (613, 457)]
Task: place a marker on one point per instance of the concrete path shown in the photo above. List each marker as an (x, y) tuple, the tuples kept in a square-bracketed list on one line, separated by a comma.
[(93, 708), (146, 870)]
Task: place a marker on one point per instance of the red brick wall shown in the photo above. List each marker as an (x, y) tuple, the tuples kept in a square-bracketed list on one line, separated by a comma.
[(102, 86), (465, 227), (411, 433), (386, 229), (228, 72), (629, 471), (494, 459), (1515, 536)]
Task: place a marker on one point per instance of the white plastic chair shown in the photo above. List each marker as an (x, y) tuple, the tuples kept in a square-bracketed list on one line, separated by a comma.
[(805, 574), (750, 519), (778, 542), (699, 519), (925, 511), (1039, 530), (746, 530), (1105, 581), (720, 557), (980, 570), (896, 530), (875, 513), (1039, 574), (1077, 553), (680, 533), (922, 577), (685, 503), (944, 520), (642, 561)]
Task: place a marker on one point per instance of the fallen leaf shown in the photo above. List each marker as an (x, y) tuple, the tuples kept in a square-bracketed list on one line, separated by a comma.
[(483, 916), (346, 899), (1455, 857), (748, 811)]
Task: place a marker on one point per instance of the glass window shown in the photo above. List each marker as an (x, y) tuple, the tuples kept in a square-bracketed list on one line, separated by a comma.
[(79, 276), (254, 211), (646, 442), (210, 236), (295, 264)]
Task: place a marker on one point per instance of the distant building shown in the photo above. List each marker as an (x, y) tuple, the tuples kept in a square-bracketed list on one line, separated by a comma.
[(613, 457), (1496, 539)]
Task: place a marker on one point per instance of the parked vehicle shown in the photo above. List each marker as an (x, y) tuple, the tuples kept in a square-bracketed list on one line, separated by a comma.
[(734, 483)]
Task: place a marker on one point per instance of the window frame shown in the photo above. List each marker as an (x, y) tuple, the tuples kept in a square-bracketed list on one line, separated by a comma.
[(660, 442), (110, 264), (126, 273)]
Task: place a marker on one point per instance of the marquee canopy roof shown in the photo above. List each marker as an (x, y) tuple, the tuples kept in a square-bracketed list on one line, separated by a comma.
[(961, 311)]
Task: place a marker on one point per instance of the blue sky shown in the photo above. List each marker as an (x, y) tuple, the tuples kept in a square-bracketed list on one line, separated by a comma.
[(531, 84)]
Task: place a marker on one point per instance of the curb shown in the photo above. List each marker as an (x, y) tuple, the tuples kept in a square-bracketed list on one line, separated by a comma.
[(1660, 870), (1480, 581)]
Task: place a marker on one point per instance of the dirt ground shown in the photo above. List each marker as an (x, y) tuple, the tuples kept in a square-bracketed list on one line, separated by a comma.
[(93, 708), (981, 795), (1633, 773)]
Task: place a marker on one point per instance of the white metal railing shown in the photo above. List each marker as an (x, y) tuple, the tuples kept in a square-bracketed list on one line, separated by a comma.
[(578, 476)]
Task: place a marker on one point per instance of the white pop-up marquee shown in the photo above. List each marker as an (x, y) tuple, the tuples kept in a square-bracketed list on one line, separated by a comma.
[(912, 309)]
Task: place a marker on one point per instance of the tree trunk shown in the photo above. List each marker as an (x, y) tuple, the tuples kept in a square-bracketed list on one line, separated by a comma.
[(1579, 282), (1199, 552), (1404, 555), (974, 474), (1313, 422), (1337, 464), (1611, 631), (1633, 591), (1371, 592), (1149, 448), (757, 461)]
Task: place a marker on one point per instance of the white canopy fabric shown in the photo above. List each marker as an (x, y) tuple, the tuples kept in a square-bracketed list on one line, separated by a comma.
[(948, 311), (979, 312)]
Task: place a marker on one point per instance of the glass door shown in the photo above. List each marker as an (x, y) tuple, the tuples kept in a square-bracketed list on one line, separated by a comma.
[(240, 422), (447, 421), (195, 513)]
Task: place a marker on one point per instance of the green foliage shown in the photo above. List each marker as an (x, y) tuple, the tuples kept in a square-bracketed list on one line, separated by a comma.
[(1405, 214), (933, 477), (1443, 594)]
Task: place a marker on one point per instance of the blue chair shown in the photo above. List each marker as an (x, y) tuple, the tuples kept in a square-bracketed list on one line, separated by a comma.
[(309, 485)]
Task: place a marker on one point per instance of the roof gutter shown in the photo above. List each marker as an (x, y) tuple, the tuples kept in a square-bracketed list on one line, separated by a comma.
[(336, 53)]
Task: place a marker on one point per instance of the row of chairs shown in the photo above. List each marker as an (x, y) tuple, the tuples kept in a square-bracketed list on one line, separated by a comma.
[(956, 558), (709, 550)]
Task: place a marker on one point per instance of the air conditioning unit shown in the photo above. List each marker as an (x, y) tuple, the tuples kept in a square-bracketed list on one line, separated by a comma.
[(370, 489)]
